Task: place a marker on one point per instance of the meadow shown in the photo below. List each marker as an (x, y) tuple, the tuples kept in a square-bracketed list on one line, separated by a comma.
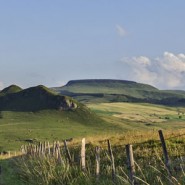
[(121, 123), (149, 162), (141, 116), (18, 127), (116, 118)]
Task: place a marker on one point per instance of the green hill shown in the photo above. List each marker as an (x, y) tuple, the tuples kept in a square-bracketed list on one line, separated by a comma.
[(107, 86), (102, 90), (10, 89), (38, 113), (34, 99)]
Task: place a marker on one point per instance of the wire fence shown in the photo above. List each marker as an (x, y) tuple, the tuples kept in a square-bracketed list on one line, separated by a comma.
[(58, 149)]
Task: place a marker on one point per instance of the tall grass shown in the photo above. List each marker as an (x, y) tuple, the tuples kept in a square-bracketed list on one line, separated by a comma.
[(150, 168)]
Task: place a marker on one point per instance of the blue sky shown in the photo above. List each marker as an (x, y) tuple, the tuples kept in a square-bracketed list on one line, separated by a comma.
[(51, 42)]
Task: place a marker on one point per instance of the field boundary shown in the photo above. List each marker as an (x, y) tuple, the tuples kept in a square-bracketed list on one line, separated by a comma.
[(57, 150)]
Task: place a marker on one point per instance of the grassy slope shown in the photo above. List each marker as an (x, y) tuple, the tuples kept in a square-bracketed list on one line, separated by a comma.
[(56, 125), (51, 125), (139, 116), (131, 119), (10, 89), (107, 87), (87, 91), (144, 155), (33, 99)]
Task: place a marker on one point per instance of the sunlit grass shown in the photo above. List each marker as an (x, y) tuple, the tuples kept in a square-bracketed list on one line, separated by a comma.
[(149, 163)]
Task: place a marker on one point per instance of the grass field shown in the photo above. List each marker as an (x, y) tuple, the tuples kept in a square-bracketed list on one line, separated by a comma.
[(122, 123), (138, 116), (147, 149), (16, 127)]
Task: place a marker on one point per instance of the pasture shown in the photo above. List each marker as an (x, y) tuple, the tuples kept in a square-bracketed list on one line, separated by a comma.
[(17, 127), (121, 123), (114, 118), (139, 116)]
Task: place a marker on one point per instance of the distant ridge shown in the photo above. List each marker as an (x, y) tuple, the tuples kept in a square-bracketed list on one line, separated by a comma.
[(109, 82), (110, 90), (106, 86), (72, 82)]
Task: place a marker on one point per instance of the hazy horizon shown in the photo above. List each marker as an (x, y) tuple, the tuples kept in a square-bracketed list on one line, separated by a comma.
[(50, 43)]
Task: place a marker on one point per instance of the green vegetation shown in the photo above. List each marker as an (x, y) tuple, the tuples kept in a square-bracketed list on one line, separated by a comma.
[(139, 116), (89, 91), (10, 89), (8, 172), (106, 86), (17, 127), (38, 114), (35, 99), (150, 168)]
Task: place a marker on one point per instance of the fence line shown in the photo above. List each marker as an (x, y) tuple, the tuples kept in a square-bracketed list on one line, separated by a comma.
[(158, 140), (54, 150)]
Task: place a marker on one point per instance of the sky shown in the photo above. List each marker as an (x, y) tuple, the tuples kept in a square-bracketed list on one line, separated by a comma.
[(51, 42)]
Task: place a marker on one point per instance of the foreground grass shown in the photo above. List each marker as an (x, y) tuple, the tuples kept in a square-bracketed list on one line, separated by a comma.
[(123, 123), (150, 168), (8, 174)]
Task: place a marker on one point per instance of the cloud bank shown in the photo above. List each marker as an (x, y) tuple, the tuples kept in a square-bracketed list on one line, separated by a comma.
[(1, 85), (164, 72)]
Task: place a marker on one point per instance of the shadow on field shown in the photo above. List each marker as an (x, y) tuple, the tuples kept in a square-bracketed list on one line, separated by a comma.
[(8, 170)]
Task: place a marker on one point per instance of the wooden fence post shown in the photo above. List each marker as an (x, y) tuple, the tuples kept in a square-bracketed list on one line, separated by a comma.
[(97, 153), (130, 161), (165, 153), (22, 149), (67, 152), (25, 149), (58, 153), (83, 154), (34, 150), (45, 146), (9, 154), (39, 149), (54, 149), (42, 149), (112, 162), (49, 151)]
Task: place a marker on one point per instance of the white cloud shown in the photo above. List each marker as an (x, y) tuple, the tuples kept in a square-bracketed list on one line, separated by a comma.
[(172, 62), (165, 72), (140, 69), (1, 85), (60, 83), (121, 31)]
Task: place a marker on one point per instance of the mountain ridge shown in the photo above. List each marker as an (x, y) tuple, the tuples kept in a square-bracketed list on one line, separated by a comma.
[(35, 99), (110, 90)]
